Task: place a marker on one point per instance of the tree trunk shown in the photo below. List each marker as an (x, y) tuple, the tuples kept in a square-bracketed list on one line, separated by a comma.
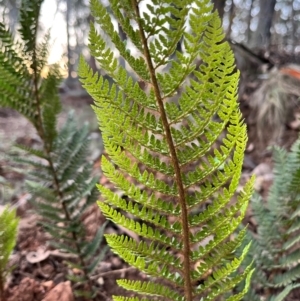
[(249, 22), (261, 37), (294, 27), (68, 14), (231, 17), (219, 5)]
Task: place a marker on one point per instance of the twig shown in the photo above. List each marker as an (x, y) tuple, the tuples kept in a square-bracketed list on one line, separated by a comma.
[(56, 253), (104, 274)]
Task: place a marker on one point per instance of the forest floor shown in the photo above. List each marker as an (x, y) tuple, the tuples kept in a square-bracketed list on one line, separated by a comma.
[(40, 272)]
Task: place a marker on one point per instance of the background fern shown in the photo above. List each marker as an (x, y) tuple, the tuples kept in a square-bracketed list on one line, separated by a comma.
[(275, 248), (58, 174), (8, 233), (163, 142)]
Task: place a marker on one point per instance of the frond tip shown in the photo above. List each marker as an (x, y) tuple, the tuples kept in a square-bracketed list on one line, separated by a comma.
[(175, 147)]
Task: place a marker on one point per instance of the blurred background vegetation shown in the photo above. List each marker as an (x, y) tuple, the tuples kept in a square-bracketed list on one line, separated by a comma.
[(261, 26)]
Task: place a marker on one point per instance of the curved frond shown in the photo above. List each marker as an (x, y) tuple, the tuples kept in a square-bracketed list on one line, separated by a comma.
[(175, 142)]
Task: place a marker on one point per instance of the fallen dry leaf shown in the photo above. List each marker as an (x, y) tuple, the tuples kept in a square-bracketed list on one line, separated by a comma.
[(262, 169), (61, 292), (28, 290)]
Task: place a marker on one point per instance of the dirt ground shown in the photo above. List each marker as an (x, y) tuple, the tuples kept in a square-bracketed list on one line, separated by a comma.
[(40, 272)]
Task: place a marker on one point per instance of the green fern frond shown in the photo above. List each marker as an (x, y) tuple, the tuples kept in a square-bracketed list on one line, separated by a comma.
[(163, 148), (284, 293), (275, 248), (105, 56), (58, 174), (8, 236), (51, 105), (150, 289), (14, 76), (62, 214), (34, 152), (21, 73), (29, 17), (120, 298)]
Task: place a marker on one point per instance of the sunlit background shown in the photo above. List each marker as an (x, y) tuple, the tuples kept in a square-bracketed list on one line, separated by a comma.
[(240, 21)]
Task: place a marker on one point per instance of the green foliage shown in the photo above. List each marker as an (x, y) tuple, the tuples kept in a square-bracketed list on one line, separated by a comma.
[(8, 236), (63, 206), (58, 174), (275, 248), (168, 138), (21, 64)]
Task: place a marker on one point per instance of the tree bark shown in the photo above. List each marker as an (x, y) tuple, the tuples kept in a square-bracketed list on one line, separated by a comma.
[(261, 37), (69, 54), (219, 5), (231, 17), (294, 27), (249, 22)]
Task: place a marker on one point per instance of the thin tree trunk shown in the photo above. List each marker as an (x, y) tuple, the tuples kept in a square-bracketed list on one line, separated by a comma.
[(231, 17), (219, 5), (68, 14), (249, 22), (261, 37), (294, 27)]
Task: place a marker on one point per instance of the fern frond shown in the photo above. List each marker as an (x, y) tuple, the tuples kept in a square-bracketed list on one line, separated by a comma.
[(276, 246), (8, 232), (284, 293), (34, 152), (73, 171), (58, 175), (120, 298), (50, 102), (102, 17), (29, 17), (160, 141), (77, 192), (15, 79), (21, 80), (150, 289)]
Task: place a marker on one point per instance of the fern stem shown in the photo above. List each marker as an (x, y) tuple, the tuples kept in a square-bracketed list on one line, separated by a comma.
[(174, 158)]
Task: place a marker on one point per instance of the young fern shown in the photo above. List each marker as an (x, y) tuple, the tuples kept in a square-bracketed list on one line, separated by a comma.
[(8, 236), (58, 174), (275, 247), (63, 209), (163, 140)]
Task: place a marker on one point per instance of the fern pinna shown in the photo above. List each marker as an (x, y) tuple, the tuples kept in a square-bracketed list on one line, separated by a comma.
[(8, 236), (275, 248), (161, 138), (59, 176)]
